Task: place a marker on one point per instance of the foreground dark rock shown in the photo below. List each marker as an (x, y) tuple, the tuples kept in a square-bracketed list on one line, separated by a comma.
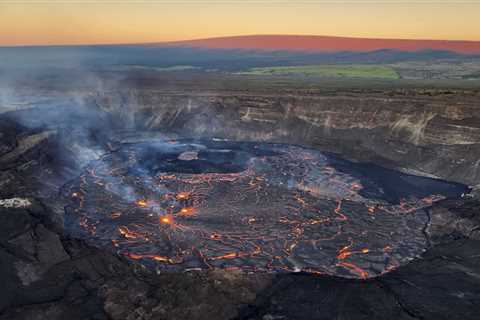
[(45, 276)]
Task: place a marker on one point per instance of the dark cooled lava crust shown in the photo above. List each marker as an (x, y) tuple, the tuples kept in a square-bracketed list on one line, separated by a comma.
[(179, 205)]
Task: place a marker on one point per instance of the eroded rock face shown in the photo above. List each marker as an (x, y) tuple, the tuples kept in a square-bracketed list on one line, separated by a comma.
[(437, 135), (212, 295), (454, 220)]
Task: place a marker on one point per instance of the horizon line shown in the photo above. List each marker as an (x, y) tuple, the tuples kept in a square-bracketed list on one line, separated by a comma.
[(166, 42)]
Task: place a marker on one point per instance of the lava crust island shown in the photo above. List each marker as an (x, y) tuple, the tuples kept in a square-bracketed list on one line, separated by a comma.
[(184, 204)]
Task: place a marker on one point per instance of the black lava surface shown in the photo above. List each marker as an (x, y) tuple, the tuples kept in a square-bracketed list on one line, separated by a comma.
[(179, 205)]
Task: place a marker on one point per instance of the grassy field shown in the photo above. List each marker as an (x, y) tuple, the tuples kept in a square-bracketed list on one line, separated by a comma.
[(174, 68), (347, 71)]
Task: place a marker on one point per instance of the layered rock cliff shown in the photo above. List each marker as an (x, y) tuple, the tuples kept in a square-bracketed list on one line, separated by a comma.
[(435, 133)]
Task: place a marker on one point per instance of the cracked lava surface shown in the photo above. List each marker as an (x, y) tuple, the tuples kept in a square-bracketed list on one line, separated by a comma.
[(185, 204)]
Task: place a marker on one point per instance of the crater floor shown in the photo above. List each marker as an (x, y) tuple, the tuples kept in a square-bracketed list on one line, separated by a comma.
[(188, 204)]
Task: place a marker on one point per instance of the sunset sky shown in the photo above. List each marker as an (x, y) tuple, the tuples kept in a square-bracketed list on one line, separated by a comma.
[(106, 21)]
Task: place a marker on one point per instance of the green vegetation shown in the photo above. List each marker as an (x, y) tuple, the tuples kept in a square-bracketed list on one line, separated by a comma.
[(347, 71), (154, 68), (177, 68)]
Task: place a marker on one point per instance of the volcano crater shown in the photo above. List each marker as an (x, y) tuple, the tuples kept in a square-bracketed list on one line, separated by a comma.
[(209, 203)]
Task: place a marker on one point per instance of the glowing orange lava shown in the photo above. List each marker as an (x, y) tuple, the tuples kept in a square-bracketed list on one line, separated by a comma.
[(289, 209), (353, 268), (183, 196), (166, 219), (127, 233), (187, 212), (142, 203)]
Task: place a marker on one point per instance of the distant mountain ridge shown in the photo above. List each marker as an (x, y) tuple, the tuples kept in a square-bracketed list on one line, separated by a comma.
[(237, 54), (323, 44)]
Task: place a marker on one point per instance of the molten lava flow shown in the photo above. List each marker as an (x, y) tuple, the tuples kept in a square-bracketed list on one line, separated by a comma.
[(338, 211), (187, 212), (350, 266), (166, 219), (148, 256), (232, 255), (256, 207), (183, 195), (124, 231), (142, 203)]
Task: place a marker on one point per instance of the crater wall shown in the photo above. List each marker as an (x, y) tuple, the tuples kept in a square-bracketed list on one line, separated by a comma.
[(436, 134)]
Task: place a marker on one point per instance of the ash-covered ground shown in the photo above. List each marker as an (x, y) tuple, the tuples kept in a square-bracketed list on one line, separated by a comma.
[(183, 205)]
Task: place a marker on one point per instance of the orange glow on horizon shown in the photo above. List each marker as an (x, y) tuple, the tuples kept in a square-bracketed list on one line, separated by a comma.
[(69, 22)]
